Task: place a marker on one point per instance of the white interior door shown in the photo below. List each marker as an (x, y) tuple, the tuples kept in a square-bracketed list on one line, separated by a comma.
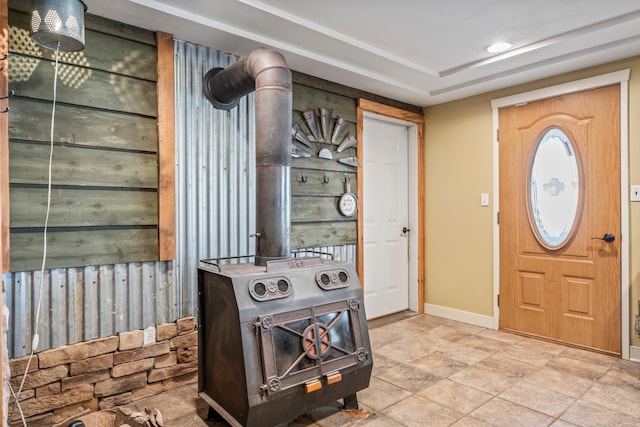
[(386, 217)]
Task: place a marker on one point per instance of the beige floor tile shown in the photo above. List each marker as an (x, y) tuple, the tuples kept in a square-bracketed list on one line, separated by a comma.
[(559, 381), (460, 352), (484, 379), (409, 377), (484, 344), (590, 357), (623, 373), (439, 364), (468, 328), (589, 414), (577, 368), (469, 421), (408, 349), (378, 419), (527, 355), (448, 333), (383, 336), (507, 366), (540, 345), (560, 423), (538, 398), (499, 413), (382, 363), (500, 336), (425, 322), (455, 396), (416, 411), (619, 398), (381, 394)]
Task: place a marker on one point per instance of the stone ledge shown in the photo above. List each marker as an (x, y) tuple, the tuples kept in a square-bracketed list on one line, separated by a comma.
[(130, 368), (69, 381), (91, 378), (120, 385), (93, 364), (166, 331), (40, 378), (141, 353), (39, 405), (173, 371), (186, 325), (184, 341), (76, 352), (131, 340)]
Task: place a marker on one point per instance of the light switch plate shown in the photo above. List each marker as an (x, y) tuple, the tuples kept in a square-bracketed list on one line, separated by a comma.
[(484, 199), (634, 194)]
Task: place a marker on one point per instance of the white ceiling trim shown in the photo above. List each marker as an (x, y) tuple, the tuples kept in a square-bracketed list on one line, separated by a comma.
[(212, 23), (325, 31), (535, 65), (559, 38)]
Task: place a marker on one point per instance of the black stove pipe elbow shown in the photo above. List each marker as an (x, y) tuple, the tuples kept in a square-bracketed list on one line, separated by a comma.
[(266, 72)]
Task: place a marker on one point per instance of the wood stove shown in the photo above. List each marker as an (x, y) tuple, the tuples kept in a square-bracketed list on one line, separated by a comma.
[(278, 341), (280, 336)]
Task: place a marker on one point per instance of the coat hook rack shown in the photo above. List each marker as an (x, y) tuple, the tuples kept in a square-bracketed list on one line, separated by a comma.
[(6, 110), (303, 178), (325, 178)]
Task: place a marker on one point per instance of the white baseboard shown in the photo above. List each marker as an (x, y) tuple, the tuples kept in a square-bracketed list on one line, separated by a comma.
[(460, 315), (634, 353)]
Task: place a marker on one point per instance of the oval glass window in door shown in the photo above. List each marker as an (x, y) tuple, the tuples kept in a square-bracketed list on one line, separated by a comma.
[(554, 189)]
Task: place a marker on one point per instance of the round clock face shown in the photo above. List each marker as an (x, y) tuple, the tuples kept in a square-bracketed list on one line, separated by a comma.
[(348, 204)]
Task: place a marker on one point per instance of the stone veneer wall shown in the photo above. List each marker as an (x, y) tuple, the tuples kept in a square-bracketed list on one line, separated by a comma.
[(69, 381)]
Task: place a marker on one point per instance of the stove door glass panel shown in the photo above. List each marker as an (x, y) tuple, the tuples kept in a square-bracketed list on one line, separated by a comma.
[(339, 326), (289, 353), (307, 343)]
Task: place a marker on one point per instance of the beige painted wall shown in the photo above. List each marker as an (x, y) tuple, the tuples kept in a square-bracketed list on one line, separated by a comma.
[(458, 167)]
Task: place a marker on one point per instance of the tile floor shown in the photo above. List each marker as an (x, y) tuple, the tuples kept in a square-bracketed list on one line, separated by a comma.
[(429, 371)]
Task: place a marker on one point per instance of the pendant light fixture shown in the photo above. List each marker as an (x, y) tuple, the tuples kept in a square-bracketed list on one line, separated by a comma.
[(58, 24)]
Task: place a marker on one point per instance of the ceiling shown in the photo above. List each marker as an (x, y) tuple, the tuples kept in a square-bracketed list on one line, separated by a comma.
[(422, 52)]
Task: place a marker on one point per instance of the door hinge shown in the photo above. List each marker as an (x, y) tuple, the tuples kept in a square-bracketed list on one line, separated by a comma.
[(498, 135), (498, 218), (498, 300)]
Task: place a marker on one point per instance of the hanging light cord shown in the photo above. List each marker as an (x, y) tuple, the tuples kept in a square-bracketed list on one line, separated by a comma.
[(36, 337)]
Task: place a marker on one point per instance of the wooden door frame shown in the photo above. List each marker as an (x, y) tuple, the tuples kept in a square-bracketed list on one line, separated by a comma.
[(618, 77), (366, 107)]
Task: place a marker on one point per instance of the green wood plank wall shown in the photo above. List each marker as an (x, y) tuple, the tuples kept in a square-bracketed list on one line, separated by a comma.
[(105, 167), (318, 183)]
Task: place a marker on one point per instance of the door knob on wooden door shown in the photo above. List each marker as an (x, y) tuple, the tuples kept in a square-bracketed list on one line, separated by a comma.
[(405, 230), (608, 237)]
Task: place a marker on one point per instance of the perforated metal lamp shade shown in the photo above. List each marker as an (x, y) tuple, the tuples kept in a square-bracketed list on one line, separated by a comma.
[(58, 21)]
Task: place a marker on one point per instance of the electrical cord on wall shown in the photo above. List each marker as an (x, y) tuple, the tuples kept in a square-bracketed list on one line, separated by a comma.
[(36, 338)]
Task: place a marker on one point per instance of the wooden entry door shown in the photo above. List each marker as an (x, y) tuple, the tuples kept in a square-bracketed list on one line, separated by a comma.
[(565, 288)]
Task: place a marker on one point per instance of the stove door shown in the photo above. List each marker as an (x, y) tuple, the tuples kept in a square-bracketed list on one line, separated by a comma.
[(306, 345)]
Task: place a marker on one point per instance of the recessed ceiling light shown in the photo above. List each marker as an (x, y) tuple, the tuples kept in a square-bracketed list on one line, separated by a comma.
[(499, 47)]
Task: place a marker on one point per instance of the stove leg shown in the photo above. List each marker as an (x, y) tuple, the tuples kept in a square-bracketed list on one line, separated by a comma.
[(350, 403), (213, 415)]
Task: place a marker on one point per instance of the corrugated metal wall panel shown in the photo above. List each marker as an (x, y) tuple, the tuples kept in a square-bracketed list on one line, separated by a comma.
[(80, 304), (338, 253), (215, 171)]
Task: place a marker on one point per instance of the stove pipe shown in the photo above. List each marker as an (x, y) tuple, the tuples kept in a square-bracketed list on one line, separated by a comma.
[(266, 72)]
